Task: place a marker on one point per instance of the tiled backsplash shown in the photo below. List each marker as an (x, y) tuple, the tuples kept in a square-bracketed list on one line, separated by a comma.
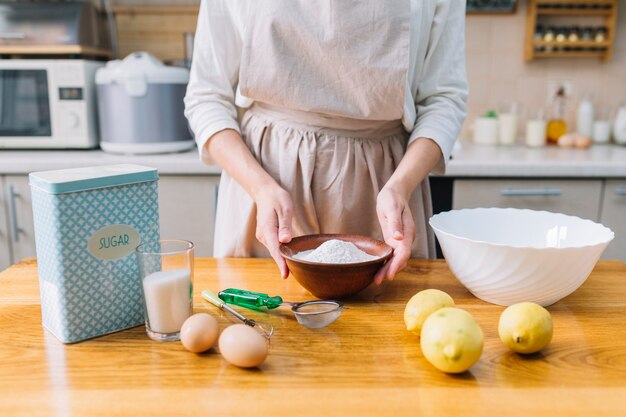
[(498, 74)]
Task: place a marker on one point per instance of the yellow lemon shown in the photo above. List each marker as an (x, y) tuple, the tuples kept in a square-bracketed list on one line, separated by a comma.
[(525, 327), (422, 305), (452, 340)]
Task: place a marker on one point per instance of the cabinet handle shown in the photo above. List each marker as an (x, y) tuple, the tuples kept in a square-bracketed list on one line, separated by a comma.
[(620, 190), (216, 191), (15, 228), (13, 35), (515, 192)]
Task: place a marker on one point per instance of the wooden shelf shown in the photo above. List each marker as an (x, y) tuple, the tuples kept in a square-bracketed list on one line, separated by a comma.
[(575, 2), (577, 44), (539, 8), (570, 54), (54, 50), (575, 12)]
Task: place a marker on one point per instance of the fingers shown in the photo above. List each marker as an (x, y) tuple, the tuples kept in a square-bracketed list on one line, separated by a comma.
[(285, 215), (381, 274), (394, 223), (398, 261)]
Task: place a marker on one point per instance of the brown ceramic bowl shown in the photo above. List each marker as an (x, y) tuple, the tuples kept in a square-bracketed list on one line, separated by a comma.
[(334, 280)]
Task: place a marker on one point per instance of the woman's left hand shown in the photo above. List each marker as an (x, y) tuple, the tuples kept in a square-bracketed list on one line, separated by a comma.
[(396, 221)]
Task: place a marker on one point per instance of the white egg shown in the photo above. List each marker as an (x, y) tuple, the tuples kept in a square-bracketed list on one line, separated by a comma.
[(243, 346)]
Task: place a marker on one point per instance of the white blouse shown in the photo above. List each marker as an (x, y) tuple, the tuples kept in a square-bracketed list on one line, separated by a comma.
[(436, 90)]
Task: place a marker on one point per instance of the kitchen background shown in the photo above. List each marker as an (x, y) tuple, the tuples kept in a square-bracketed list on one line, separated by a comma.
[(497, 71), (590, 183)]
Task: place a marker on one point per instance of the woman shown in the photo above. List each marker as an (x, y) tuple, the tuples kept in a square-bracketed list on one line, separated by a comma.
[(350, 104)]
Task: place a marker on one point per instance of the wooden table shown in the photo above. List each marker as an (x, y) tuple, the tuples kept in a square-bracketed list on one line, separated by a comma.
[(366, 363)]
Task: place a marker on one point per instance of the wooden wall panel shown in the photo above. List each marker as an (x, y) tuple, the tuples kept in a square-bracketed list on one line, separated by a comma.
[(158, 30)]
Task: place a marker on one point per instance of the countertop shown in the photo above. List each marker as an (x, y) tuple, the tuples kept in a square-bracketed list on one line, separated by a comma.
[(365, 363), (469, 160)]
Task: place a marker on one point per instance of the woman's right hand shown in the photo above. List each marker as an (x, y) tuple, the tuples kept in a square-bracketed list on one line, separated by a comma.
[(274, 213)]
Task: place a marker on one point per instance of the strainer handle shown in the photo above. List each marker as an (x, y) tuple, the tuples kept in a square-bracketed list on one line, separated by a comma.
[(249, 299)]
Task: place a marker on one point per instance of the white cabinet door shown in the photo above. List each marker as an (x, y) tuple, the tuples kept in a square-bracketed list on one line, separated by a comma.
[(5, 247), (187, 209), (20, 211), (614, 216), (575, 197)]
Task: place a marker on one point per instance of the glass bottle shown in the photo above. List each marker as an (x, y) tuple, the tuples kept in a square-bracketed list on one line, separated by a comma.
[(557, 126)]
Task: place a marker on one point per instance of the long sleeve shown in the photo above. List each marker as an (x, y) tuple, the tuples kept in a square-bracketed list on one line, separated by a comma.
[(440, 99), (210, 99)]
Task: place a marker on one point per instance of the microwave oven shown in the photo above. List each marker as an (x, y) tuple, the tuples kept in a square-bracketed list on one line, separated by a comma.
[(48, 103)]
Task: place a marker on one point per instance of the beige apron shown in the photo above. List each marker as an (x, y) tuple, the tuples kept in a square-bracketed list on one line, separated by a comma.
[(328, 79)]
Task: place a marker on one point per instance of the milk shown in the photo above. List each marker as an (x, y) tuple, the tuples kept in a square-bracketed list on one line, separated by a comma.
[(168, 299)]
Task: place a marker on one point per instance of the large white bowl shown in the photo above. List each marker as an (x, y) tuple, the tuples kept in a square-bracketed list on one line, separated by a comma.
[(506, 256)]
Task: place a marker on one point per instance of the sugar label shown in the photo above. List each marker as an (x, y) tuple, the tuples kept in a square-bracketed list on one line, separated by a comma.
[(113, 242)]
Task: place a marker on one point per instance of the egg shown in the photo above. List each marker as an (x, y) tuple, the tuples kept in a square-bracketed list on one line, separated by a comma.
[(199, 332), (582, 141), (243, 346), (567, 140)]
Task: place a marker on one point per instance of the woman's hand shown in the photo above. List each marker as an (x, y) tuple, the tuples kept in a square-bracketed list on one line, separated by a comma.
[(274, 212), (396, 221)]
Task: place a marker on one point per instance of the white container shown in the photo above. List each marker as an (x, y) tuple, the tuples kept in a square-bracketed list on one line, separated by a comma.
[(486, 131), (507, 128), (619, 126), (601, 131), (584, 118), (88, 222), (536, 133)]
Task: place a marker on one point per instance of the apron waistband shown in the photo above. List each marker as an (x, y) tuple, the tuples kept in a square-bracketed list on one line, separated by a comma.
[(329, 125)]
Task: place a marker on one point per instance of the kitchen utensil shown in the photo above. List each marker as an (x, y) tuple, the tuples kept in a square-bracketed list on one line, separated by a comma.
[(140, 104), (506, 256), (313, 314), (266, 328), (334, 281)]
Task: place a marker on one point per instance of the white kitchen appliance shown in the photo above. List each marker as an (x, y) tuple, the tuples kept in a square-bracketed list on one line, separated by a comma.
[(48, 103), (140, 106)]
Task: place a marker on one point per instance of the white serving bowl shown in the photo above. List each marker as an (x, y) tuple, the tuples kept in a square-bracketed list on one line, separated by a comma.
[(506, 256)]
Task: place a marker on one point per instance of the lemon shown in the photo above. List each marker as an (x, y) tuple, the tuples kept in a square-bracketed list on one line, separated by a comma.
[(525, 327), (422, 305), (452, 340)]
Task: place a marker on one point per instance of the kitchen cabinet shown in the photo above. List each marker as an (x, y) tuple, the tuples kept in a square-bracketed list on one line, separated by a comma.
[(5, 248), (613, 215), (187, 207), (574, 197), (21, 234)]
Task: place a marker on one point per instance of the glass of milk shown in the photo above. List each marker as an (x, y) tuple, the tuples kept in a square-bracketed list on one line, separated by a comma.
[(166, 270)]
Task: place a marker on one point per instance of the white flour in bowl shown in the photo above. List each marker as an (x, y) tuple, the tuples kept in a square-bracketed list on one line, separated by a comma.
[(335, 251)]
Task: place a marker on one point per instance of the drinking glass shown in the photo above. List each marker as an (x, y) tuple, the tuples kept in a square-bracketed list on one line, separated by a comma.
[(166, 270)]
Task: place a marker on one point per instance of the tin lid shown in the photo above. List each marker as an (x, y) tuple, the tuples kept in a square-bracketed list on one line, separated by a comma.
[(89, 178)]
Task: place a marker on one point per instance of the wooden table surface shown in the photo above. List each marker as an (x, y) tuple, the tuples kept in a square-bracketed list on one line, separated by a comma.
[(365, 363)]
